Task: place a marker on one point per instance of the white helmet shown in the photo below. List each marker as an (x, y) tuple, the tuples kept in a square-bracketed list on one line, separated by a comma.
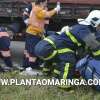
[(92, 19)]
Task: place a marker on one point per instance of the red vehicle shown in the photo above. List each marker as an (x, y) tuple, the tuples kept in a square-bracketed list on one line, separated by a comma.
[(11, 11), (73, 9)]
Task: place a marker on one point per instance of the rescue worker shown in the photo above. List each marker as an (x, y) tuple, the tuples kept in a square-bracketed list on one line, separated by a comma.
[(89, 66), (5, 52), (47, 69), (35, 23), (64, 49)]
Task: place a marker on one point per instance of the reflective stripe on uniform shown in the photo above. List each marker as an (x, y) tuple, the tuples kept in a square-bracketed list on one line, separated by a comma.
[(72, 37), (56, 71), (96, 53), (66, 69), (51, 56), (56, 51), (65, 50), (50, 41)]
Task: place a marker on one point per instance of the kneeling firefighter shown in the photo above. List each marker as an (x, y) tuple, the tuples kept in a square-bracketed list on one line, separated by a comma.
[(64, 48)]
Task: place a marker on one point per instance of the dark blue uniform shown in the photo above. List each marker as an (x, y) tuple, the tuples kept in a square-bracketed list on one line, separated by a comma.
[(64, 48), (89, 66), (4, 40)]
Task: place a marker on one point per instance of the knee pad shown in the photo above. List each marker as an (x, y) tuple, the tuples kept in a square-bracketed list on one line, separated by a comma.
[(43, 49)]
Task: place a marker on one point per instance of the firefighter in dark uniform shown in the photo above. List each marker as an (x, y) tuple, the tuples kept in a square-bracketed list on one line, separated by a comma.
[(64, 48)]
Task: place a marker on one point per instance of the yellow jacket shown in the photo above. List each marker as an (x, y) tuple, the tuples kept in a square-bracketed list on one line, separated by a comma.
[(37, 19)]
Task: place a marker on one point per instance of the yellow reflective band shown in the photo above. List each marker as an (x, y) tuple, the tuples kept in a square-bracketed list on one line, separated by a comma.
[(74, 40), (50, 41), (46, 69), (97, 53), (51, 56), (65, 50), (56, 71), (66, 70)]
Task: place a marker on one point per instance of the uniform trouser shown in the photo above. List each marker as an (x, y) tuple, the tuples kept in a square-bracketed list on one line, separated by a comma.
[(62, 67), (5, 53), (30, 59), (65, 58), (66, 66), (89, 69)]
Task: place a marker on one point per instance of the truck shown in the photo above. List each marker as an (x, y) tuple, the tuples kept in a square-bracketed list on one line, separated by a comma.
[(11, 12), (71, 10)]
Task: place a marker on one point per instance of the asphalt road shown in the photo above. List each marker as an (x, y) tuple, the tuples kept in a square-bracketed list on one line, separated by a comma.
[(17, 49)]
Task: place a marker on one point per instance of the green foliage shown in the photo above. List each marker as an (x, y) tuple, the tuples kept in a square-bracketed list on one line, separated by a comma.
[(43, 92)]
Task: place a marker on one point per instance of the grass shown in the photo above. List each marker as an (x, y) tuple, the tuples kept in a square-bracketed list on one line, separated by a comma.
[(43, 92)]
